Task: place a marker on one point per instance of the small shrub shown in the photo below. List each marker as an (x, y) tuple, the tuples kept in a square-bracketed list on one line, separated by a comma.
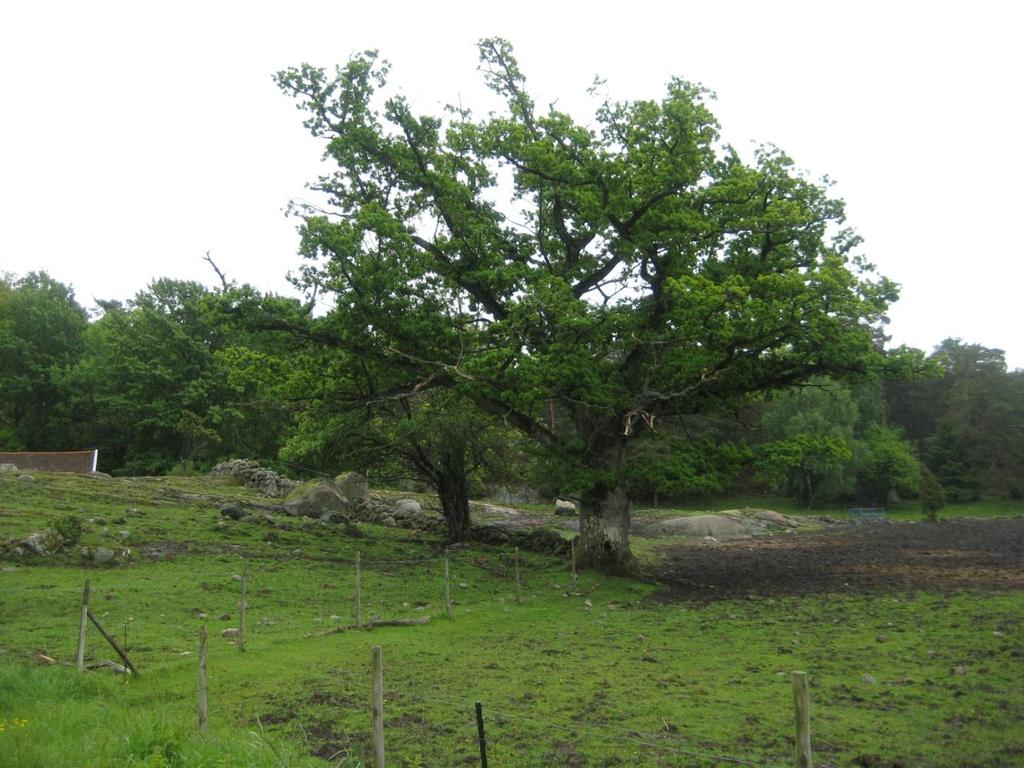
[(931, 496), (69, 527)]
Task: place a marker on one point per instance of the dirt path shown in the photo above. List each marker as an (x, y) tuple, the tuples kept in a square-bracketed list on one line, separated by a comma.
[(955, 554)]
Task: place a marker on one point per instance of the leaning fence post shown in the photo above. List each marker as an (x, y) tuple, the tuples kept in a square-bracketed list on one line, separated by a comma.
[(82, 625), (447, 587), (480, 734), (242, 605), (359, 591), (113, 643), (202, 678), (378, 707), (802, 701)]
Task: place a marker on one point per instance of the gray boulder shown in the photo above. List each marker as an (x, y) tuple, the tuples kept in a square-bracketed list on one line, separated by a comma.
[(43, 542), (770, 517), (233, 511), (7, 468), (492, 510), (406, 508), (100, 555), (353, 486), (317, 499), (717, 526)]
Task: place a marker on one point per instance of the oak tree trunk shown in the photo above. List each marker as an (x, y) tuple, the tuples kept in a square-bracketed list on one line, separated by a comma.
[(453, 493), (604, 531)]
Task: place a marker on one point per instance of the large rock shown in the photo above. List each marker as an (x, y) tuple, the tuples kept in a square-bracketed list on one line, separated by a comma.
[(542, 540), (43, 542), (492, 510), (8, 468), (771, 517), (718, 526), (353, 486), (100, 555), (407, 508), (322, 499), (233, 511)]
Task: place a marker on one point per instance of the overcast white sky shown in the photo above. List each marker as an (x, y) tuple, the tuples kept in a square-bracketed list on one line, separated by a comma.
[(136, 136)]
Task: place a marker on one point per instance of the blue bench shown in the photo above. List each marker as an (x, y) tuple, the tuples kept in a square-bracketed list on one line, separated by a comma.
[(865, 515)]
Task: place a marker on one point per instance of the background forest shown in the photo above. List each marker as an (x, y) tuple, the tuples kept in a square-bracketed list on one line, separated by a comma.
[(183, 376)]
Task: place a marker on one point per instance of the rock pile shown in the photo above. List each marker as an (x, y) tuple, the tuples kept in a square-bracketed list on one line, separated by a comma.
[(252, 475), (398, 513), (42, 543), (347, 499)]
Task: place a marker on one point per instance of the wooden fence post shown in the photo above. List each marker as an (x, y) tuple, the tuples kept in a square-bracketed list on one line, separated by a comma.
[(480, 734), (447, 587), (378, 707), (359, 591), (519, 581), (575, 577), (202, 678), (802, 701), (82, 624), (242, 605)]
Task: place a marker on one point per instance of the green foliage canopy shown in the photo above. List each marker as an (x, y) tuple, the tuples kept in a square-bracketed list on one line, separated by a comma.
[(42, 331), (638, 267)]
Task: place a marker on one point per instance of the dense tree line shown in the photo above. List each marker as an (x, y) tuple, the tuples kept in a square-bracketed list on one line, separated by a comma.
[(183, 376)]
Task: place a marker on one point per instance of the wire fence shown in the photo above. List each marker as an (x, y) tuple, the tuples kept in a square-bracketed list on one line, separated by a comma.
[(508, 721), (606, 734)]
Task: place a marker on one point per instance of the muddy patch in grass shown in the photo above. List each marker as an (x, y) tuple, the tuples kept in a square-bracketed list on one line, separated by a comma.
[(956, 554)]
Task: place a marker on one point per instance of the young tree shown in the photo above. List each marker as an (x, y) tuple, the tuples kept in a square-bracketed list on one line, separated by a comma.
[(932, 497), (436, 437), (639, 269), (810, 431), (889, 466)]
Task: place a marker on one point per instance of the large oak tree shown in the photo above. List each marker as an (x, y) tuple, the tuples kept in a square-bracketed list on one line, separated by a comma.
[(636, 267)]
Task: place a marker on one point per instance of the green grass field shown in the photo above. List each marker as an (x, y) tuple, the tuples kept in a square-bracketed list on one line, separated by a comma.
[(614, 676)]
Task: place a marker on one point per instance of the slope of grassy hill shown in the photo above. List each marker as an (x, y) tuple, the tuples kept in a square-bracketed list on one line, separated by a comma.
[(615, 674)]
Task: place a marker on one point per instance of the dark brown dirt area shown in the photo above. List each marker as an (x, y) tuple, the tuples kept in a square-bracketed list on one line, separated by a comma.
[(954, 554)]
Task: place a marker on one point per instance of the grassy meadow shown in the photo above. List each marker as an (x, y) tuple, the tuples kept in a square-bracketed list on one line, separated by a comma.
[(617, 674)]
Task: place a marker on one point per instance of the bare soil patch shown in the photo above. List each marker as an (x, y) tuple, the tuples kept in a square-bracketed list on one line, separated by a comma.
[(954, 554)]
